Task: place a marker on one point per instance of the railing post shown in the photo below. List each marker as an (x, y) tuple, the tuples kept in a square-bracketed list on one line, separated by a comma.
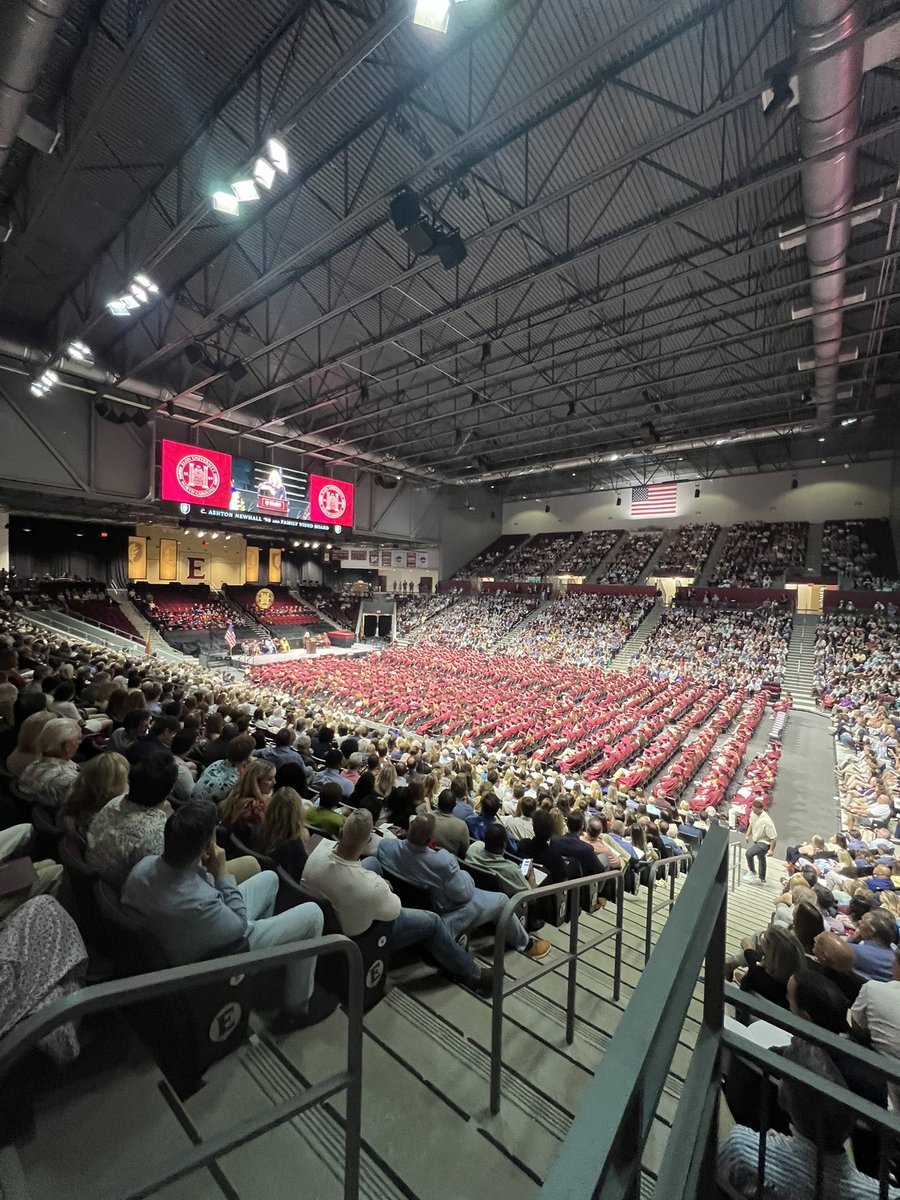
[(353, 1119), (574, 913), (648, 932), (620, 922), (497, 1009)]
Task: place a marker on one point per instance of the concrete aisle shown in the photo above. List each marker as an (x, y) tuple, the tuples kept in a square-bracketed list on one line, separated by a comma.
[(803, 800)]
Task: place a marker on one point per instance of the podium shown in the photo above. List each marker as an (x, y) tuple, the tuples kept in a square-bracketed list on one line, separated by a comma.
[(310, 644)]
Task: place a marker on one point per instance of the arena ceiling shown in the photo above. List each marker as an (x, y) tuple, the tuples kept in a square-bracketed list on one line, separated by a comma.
[(626, 305)]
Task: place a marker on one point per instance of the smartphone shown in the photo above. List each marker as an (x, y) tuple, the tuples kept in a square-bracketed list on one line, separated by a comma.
[(526, 866)]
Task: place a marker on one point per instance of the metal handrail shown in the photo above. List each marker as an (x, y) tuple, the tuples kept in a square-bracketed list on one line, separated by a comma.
[(124, 992), (734, 866), (663, 864), (500, 993), (601, 1156)]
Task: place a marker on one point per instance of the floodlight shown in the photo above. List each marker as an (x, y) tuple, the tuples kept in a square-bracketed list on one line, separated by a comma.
[(141, 294), (276, 153), (264, 173), (848, 421), (432, 14), (119, 308), (226, 202), (36, 389), (50, 376), (130, 303), (245, 189), (145, 281)]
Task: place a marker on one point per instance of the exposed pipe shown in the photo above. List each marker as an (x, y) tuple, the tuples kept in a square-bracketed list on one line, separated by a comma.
[(26, 32), (829, 118)]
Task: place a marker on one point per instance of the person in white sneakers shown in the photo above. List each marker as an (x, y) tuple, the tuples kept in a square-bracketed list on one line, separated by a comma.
[(761, 839)]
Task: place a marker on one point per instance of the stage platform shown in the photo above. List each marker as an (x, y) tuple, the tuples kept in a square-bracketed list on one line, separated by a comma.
[(260, 660)]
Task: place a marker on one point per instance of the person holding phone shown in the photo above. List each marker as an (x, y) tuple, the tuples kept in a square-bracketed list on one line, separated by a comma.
[(487, 855)]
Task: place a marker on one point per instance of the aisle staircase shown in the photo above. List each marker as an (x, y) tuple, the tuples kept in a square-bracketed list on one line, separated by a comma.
[(798, 673), (713, 557), (158, 644), (512, 634), (601, 566), (637, 639), (813, 561), (307, 603), (650, 569), (427, 1131)]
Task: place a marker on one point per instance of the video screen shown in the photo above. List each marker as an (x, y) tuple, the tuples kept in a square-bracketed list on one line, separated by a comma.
[(208, 483)]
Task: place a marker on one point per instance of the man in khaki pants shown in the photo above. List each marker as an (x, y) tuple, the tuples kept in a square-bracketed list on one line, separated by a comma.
[(761, 838)]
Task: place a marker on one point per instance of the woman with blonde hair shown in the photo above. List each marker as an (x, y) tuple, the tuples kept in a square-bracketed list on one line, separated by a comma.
[(26, 750), (100, 780), (243, 809), (433, 784), (770, 967), (283, 834), (385, 781)]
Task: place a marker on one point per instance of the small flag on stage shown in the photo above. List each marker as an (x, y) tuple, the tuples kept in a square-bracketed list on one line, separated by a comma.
[(230, 636), (654, 500), (147, 641)]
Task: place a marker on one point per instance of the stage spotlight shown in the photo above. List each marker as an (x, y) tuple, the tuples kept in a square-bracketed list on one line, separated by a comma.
[(264, 173), (405, 210), (245, 189), (237, 371), (793, 484), (451, 249), (618, 501), (145, 281), (780, 88), (118, 308), (432, 14), (227, 203), (696, 493), (276, 153), (420, 237)]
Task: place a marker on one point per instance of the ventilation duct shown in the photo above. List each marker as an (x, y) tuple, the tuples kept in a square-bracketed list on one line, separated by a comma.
[(26, 31)]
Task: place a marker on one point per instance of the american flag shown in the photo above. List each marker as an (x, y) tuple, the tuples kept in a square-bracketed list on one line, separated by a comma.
[(654, 500), (230, 636)]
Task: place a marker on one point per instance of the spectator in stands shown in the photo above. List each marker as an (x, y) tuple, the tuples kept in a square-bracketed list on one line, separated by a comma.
[(99, 781), (833, 958), (771, 965), (462, 906), (519, 825), (210, 746), (331, 773), (62, 704), (50, 779), (359, 897), (220, 776), (488, 855), (243, 809), (325, 817), (131, 825), (872, 947), (160, 736), (27, 746), (818, 1123), (321, 741), (182, 745), (283, 835), (282, 752), (186, 899), (482, 820), (541, 849), (135, 726), (761, 839), (875, 1019), (450, 833)]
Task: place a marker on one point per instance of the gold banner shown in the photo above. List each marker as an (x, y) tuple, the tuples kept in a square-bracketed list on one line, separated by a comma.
[(251, 566), (274, 566), (168, 560), (137, 557)]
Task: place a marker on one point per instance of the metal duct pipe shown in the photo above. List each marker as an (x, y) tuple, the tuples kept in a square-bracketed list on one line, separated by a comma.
[(26, 32), (829, 117)]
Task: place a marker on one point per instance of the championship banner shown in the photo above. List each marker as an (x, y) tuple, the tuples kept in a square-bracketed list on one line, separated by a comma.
[(385, 558), (274, 566), (251, 565), (168, 560), (137, 557), (410, 558)]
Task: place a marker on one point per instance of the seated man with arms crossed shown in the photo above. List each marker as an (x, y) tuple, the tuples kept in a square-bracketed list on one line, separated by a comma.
[(359, 897), (194, 910), (461, 904)]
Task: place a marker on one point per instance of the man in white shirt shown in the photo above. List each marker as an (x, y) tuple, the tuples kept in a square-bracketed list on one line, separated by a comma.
[(520, 826), (360, 896), (761, 839), (875, 1015)]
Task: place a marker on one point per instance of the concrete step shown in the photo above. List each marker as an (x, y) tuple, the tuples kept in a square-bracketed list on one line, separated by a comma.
[(637, 639), (604, 562), (656, 556), (717, 547)]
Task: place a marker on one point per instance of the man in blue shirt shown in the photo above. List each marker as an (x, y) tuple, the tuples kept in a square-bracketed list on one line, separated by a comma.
[(873, 955), (462, 808), (194, 910), (331, 773), (452, 891), (282, 752)]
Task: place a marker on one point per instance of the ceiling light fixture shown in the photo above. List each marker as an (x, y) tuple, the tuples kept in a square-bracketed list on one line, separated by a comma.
[(245, 189), (432, 14), (848, 421), (80, 352), (227, 203), (276, 153), (264, 173)]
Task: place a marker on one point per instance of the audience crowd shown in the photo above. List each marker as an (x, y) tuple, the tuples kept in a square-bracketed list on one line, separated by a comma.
[(535, 558), (489, 558), (632, 557), (757, 553), (588, 552), (688, 551), (582, 627), (861, 551), (857, 658)]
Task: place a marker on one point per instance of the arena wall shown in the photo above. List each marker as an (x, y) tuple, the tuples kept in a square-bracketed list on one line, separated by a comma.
[(826, 493)]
